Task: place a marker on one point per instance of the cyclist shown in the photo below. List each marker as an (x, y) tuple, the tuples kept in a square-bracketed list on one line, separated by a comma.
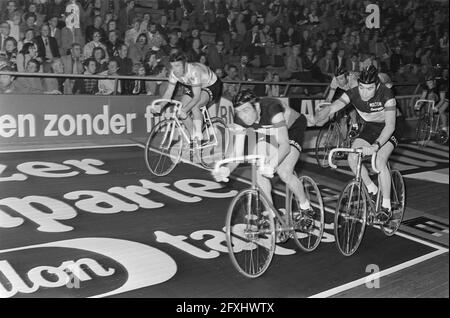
[(376, 105), (342, 82), (202, 88), (439, 94), (252, 112)]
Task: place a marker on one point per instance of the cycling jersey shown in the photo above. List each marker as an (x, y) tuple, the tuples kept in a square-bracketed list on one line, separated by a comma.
[(196, 75), (373, 109), (271, 107)]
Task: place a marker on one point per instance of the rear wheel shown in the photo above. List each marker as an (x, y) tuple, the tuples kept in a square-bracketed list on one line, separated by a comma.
[(250, 232), (350, 218), (328, 138), (308, 230), (218, 136), (163, 148), (398, 196)]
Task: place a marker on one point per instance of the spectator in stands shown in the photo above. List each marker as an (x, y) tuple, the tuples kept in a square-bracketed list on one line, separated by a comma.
[(29, 85), (28, 52), (144, 24), (73, 64), (327, 66), (10, 52), (216, 55), (73, 14), (55, 31), (139, 87), (125, 68), (96, 27), (107, 86), (6, 81), (7, 14), (4, 34), (56, 8), (29, 23), (425, 59), (240, 25), (194, 53), (230, 90), (100, 56), (46, 45), (90, 85), (70, 35), (89, 47), (397, 59), (155, 39), (126, 16), (54, 85), (138, 50), (28, 38), (113, 44), (133, 32), (14, 26), (244, 71), (294, 64), (353, 64), (32, 8), (172, 42)]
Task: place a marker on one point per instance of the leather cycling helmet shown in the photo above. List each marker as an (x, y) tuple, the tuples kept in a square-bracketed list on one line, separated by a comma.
[(340, 70), (369, 75), (244, 96)]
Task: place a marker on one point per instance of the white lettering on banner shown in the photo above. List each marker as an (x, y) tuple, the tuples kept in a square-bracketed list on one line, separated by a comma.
[(100, 202), (186, 186), (159, 267), (46, 169), (373, 19), (101, 124), (9, 126), (135, 194), (46, 218)]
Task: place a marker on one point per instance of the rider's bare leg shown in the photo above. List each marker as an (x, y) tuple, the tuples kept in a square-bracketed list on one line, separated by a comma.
[(286, 172), (188, 121), (197, 115), (353, 160), (443, 116), (385, 177)]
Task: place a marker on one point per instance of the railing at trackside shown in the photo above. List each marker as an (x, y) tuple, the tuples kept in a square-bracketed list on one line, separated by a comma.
[(117, 78)]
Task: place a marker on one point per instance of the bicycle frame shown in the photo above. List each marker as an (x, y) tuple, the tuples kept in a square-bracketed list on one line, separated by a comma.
[(434, 119), (177, 124)]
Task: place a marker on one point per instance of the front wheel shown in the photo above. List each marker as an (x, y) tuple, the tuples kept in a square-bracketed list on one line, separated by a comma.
[(398, 197), (423, 131), (350, 218), (217, 138), (328, 138), (163, 148), (250, 232), (308, 229)]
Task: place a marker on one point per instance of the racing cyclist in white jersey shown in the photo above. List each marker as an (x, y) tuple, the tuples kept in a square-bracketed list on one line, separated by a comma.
[(342, 82), (376, 105), (201, 88)]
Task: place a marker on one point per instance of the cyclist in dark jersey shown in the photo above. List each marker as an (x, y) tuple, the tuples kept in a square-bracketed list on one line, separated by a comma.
[(376, 105), (282, 152)]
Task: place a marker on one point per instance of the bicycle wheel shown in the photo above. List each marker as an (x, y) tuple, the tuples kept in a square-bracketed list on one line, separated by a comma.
[(163, 148), (210, 154), (307, 237), (250, 232), (398, 196), (328, 138), (350, 218), (423, 131)]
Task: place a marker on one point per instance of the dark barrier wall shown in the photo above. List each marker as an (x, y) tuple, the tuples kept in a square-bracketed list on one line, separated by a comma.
[(30, 119)]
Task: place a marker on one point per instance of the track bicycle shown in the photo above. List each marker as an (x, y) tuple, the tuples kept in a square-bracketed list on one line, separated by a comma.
[(355, 207), (170, 137), (336, 134), (428, 124), (254, 225)]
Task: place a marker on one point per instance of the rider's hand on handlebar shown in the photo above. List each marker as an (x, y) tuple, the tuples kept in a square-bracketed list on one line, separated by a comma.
[(221, 174), (182, 115), (267, 171), (368, 151)]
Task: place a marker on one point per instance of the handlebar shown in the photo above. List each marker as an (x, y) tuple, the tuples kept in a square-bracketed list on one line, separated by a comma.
[(255, 159), (156, 104), (427, 101), (351, 150)]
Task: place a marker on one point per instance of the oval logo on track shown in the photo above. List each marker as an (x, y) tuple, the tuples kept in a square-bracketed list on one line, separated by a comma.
[(84, 267)]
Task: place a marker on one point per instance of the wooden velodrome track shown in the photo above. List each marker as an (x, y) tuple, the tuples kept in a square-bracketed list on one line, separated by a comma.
[(93, 222)]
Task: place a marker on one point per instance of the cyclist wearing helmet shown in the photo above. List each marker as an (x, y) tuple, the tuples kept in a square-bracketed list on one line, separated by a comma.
[(202, 88), (376, 105), (288, 133), (342, 82)]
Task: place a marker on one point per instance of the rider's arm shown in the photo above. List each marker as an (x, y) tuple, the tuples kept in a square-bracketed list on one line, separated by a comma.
[(281, 138), (196, 91), (169, 91), (324, 114), (330, 94), (441, 99), (236, 145), (390, 111)]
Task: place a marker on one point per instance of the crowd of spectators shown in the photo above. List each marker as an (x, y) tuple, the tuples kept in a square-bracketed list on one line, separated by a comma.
[(270, 40)]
